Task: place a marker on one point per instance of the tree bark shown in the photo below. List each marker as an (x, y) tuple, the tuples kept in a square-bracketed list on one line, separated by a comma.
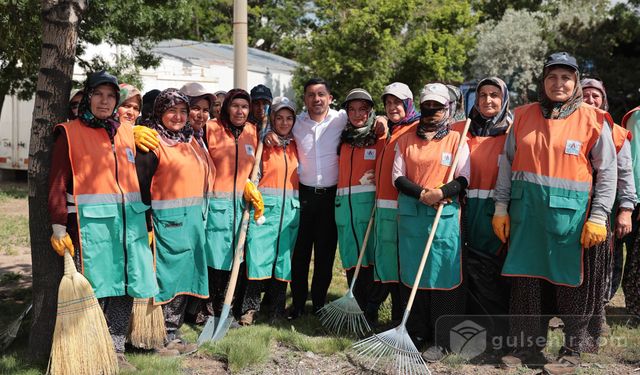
[(60, 20)]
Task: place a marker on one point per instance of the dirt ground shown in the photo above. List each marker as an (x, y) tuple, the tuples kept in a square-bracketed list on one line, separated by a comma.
[(283, 360)]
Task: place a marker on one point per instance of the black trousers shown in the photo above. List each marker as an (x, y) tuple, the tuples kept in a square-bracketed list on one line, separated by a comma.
[(618, 256), (317, 232)]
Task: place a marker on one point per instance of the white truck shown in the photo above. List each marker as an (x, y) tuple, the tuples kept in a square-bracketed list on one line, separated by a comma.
[(15, 130)]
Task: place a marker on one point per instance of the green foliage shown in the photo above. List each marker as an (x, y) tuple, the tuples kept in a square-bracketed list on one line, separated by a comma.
[(369, 44)]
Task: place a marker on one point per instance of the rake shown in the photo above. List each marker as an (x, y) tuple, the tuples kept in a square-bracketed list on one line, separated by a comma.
[(345, 313), (393, 351)]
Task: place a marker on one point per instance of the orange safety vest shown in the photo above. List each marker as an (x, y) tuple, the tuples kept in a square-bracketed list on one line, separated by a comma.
[(354, 162), (274, 177), (114, 250), (550, 186), (178, 192), (427, 164), (386, 193), (232, 159)]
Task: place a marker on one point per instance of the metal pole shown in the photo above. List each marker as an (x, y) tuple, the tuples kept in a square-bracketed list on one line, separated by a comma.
[(240, 49)]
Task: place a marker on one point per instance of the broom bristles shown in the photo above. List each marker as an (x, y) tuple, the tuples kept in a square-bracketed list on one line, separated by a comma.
[(81, 340), (147, 329)]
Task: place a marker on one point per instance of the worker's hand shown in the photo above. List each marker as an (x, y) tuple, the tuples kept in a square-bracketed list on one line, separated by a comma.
[(146, 138), (431, 196), (60, 240), (253, 195), (623, 222), (593, 234), (271, 140), (501, 226), (150, 234), (380, 126), (368, 178)]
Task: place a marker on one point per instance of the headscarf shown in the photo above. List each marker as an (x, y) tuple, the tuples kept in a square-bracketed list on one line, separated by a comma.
[(441, 127), (560, 110), (411, 114), (596, 84), (110, 124), (225, 118), (363, 136), (492, 126), (127, 92), (164, 101)]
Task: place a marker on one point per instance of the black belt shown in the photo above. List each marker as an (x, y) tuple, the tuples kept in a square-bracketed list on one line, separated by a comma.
[(318, 190)]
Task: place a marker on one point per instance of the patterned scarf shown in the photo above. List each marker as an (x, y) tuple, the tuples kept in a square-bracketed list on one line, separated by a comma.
[(490, 127), (360, 137), (560, 110), (110, 124), (166, 99), (441, 127)]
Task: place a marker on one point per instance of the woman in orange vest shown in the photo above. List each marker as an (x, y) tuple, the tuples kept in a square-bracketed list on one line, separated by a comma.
[(173, 179), (420, 169), (95, 206), (487, 290), (270, 245), (551, 208), (402, 118), (595, 94), (232, 142), (355, 196)]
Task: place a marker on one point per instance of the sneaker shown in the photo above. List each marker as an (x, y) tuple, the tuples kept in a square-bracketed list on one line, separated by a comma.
[(184, 348), (435, 353), (247, 318), (124, 365)]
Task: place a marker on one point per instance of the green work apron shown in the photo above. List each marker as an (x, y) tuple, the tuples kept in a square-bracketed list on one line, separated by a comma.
[(220, 232), (479, 231), (352, 219), (386, 245)]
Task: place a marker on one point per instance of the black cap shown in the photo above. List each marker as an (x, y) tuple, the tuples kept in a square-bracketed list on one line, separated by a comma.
[(96, 79), (561, 58), (261, 92), (147, 102)]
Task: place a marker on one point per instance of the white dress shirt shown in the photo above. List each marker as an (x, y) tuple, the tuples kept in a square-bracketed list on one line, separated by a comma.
[(317, 144)]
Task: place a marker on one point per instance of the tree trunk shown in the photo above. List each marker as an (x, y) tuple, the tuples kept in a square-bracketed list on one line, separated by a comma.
[(60, 20)]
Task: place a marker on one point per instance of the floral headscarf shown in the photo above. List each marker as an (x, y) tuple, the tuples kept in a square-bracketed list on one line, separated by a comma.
[(164, 101)]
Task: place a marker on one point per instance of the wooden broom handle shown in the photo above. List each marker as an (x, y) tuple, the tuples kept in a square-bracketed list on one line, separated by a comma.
[(434, 227), (244, 224), (363, 248)]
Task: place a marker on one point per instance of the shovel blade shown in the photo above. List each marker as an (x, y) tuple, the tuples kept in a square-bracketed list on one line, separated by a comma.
[(223, 323), (208, 331)]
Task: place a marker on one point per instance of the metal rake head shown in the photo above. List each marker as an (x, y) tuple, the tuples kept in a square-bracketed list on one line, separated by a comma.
[(391, 352), (344, 316)]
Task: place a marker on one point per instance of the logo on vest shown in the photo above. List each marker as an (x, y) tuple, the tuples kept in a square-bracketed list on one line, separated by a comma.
[(130, 156), (370, 154), (446, 159), (572, 147), (249, 149)]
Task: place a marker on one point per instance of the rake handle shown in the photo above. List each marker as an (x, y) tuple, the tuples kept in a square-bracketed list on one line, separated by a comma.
[(244, 224), (434, 227), (363, 247)]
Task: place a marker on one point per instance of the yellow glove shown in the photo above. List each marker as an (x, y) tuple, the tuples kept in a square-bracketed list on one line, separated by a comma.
[(60, 240), (501, 226), (150, 238), (593, 234), (146, 138), (252, 194)]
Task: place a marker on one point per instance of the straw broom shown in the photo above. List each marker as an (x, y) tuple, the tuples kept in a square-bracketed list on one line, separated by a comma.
[(81, 340), (146, 329)]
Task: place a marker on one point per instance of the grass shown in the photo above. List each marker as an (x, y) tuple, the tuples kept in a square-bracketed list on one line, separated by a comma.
[(14, 231), (13, 191)]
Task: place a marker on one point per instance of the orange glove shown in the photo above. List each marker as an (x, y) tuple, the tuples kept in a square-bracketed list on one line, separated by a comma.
[(593, 234), (253, 195), (146, 139), (60, 240), (501, 226)]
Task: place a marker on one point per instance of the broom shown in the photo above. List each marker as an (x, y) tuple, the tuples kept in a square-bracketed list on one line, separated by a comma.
[(146, 327), (345, 313), (393, 350), (81, 340)]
